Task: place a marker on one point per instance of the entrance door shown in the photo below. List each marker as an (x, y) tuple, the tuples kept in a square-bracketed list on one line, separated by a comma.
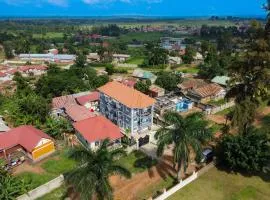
[(143, 141)]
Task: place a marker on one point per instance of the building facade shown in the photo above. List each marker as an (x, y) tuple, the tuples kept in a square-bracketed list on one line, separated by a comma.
[(131, 110)]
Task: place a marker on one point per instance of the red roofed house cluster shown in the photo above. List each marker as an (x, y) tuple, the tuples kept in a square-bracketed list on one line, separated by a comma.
[(34, 143), (80, 110), (7, 73)]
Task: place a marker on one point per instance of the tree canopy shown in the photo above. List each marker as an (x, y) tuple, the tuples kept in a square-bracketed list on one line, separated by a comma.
[(91, 178)]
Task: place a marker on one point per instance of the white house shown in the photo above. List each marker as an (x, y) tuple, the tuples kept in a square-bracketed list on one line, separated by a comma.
[(175, 60), (120, 57)]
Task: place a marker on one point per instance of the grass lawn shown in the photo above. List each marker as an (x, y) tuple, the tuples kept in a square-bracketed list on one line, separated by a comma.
[(49, 35), (54, 195), (56, 165), (130, 160), (217, 102), (188, 69), (220, 185), (140, 36), (225, 111), (156, 189), (135, 60)]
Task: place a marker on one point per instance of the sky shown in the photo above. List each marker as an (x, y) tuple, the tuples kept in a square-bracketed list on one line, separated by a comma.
[(173, 8)]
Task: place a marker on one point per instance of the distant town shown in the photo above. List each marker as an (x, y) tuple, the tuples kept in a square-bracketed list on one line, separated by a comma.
[(134, 109)]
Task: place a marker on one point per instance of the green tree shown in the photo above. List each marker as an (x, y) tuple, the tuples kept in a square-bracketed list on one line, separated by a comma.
[(8, 49), (188, 58), (167, 80), (10, 186), (249, 152), (250, 77), (155, 55), (91, 178), (143, 86), (56, 127), (80, 60), (109, 69), (185, 134)]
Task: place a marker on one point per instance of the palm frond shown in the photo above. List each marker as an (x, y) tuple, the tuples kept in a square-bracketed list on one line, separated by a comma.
[(119, 170), (117, 153)]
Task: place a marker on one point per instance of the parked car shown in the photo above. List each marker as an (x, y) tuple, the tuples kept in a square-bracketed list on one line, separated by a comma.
[(207, 155)]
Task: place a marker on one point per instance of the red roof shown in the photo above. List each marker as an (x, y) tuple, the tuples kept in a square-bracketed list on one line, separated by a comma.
[(77, 112), (2, 74), (33, 67), (12, 71), (61, 102), (82, 100), (26, 136), (98, 128)]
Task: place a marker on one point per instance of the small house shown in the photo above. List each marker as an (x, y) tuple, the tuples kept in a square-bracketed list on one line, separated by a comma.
[(206, 93), (120, 58), (141, 74), (175, 60), (156, 91), (92, 131), (28, 140), (221, 80)]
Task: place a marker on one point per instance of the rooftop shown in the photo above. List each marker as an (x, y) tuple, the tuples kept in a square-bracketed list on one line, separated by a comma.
[(221, 80), (26, 136), (207, 90), (77, 112), (97, 128), (126, 95), (82, 100)]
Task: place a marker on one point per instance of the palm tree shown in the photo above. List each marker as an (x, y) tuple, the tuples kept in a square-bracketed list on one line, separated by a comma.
[(91, 178), (185, 134)]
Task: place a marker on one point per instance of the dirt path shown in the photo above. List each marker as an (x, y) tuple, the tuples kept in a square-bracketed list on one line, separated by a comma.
[(26, 167), (128, 189), (218, 119)]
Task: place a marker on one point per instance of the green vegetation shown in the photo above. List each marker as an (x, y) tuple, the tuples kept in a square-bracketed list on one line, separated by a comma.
[(91, 177), (167, 80), (10, 186), (131, 161), (141, 36), (53, 167), (219, 102), (189, 69), (187, 134), (156, 189), (220, 185), (246, 153), (135, 60), (49, 35)]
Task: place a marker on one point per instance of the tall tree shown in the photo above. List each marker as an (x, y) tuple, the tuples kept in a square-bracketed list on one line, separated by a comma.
[(185, 134), (249, 152), (250, 75), (91, 178)]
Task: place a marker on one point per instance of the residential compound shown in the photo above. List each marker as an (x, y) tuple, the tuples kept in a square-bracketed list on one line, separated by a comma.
[(130, 109)]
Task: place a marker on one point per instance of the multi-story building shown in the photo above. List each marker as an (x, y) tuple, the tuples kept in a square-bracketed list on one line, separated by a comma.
[(130, 109)]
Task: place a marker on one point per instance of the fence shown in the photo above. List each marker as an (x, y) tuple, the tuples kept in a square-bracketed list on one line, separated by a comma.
[(177, 187), (43, 189), (183, 183), (214, 110)]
